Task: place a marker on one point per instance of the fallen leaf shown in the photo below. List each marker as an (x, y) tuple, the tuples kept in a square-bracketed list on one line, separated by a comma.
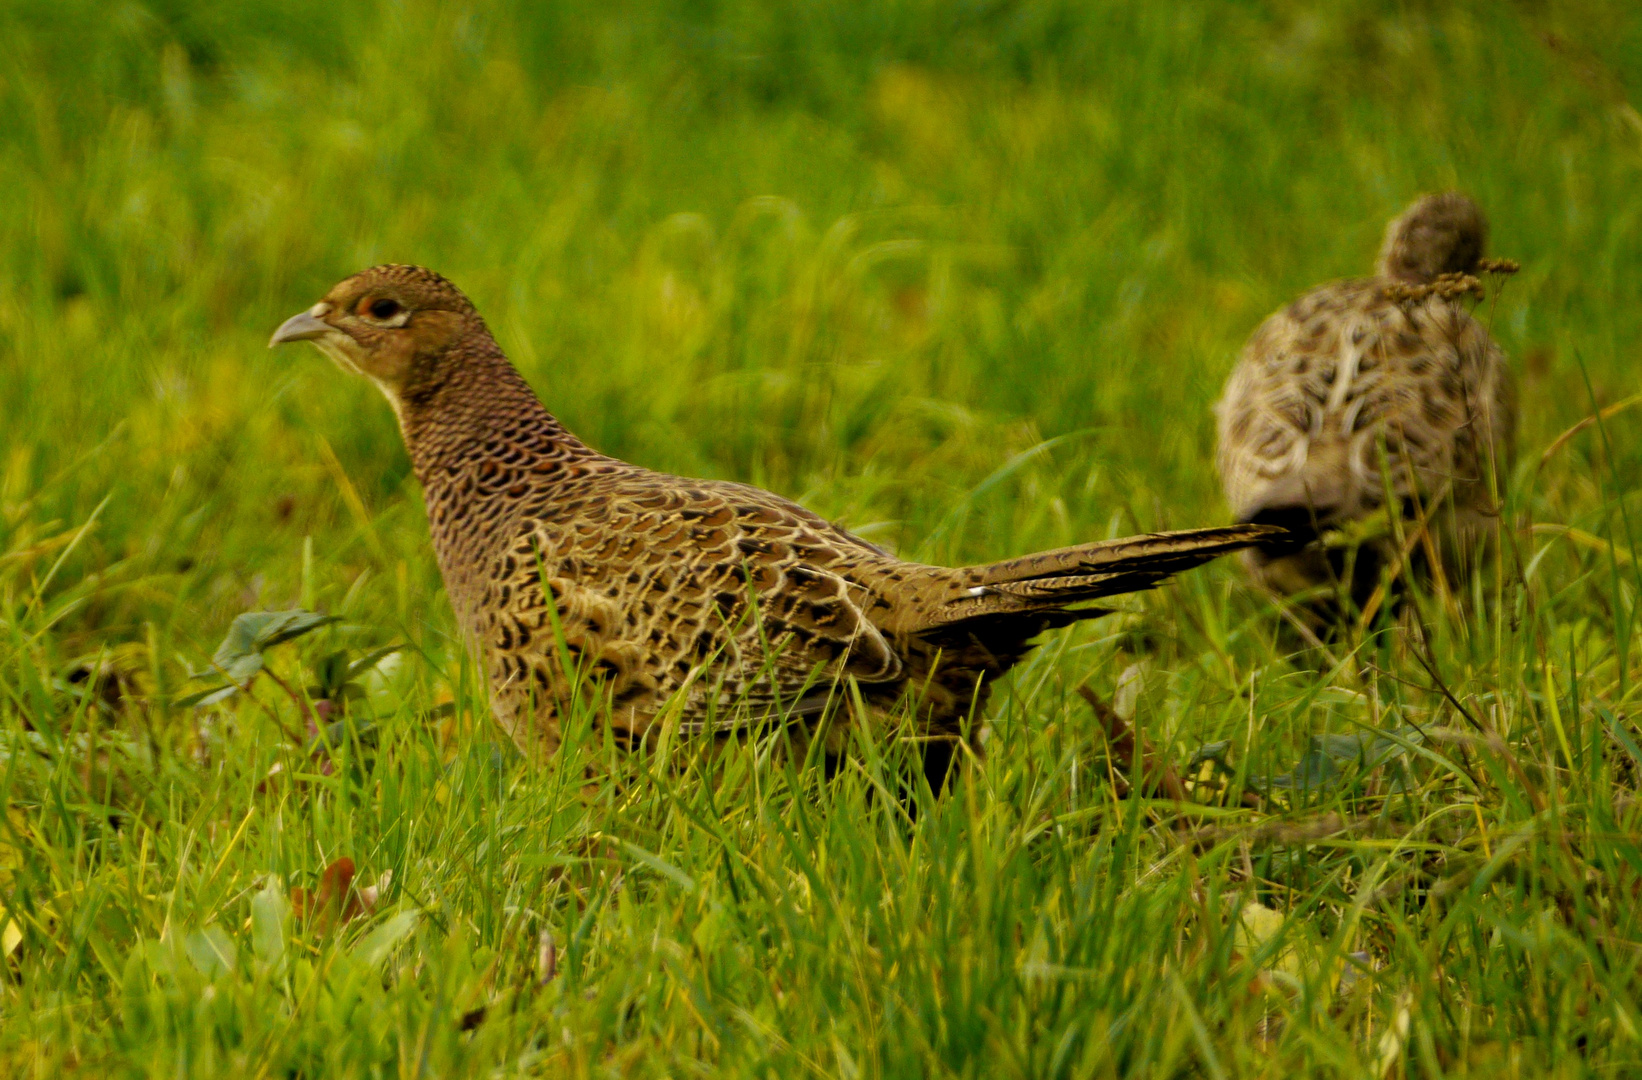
[(1156, 774), (334, 902)]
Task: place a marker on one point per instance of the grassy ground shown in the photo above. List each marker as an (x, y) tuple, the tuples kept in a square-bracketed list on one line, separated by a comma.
[(965, 276)]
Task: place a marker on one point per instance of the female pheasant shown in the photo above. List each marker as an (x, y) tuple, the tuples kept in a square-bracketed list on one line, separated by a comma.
[(575, 573), (1355, 368)]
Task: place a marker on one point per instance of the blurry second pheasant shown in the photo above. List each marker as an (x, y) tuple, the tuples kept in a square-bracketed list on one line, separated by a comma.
[(1369, 400)]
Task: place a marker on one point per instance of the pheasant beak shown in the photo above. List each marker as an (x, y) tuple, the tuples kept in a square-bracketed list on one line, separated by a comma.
[(302, 327)]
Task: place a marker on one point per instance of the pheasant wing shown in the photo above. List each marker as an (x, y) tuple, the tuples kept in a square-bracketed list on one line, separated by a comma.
[(723, 592)]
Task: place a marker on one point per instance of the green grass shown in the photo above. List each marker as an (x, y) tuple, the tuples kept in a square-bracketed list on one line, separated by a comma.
[(868, 256)]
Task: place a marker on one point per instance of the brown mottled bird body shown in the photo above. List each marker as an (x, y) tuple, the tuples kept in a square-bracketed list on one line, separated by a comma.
[(1354, 366), (568, 567)]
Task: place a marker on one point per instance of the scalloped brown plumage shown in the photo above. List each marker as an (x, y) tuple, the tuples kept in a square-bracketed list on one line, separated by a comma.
[(1324, 380), (644, 585)]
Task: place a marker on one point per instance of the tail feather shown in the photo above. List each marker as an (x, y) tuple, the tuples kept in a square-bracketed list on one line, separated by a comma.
[(1043, 585), (1168, 552)]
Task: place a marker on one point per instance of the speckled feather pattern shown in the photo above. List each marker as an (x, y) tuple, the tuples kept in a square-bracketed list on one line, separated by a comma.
[(571, 571), (1324, 382)]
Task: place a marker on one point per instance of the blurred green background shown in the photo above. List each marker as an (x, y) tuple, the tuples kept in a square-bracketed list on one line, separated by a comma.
[(966, 276)]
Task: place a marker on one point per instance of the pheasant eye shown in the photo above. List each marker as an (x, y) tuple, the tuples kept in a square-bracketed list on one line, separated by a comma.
[(384, 308)]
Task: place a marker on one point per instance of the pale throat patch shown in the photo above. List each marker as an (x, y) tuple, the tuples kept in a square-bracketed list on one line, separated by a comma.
[(344, 351)]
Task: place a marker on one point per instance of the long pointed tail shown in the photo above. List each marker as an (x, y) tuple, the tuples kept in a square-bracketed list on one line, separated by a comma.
[(1040, 587)]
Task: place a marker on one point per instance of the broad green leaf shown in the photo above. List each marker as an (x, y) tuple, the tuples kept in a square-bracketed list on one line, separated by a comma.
[(375, 946), (209, 696), (269, 912), (240, 655), (210, 950), (1316, 770), (1215, 752), (1320, 767), (161, 954), (370, 660)]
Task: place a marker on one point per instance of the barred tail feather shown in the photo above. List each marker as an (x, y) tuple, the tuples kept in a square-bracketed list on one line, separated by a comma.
[(1039, 588)]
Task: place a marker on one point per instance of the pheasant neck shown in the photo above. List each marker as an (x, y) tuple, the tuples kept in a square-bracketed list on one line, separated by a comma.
[(480, 408)]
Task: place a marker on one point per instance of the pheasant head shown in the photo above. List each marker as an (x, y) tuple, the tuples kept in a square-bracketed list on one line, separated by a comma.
[(400, 326), (1439, 234)]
